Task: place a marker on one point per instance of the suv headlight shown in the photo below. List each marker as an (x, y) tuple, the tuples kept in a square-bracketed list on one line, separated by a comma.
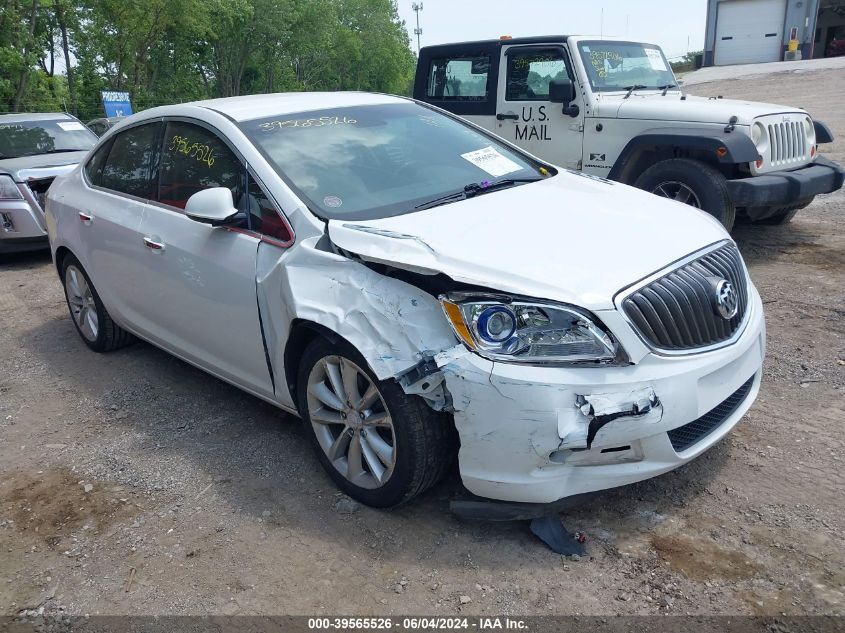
[(9, 189), (810, 130), (502, 328)]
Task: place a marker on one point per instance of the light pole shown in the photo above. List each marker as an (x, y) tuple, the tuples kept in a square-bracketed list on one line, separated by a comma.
[(417, 7)]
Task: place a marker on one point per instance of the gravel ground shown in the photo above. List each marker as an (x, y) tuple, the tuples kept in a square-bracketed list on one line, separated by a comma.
[(132, 483)]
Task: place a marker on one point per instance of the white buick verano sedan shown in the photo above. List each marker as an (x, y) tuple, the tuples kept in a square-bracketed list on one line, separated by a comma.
[(408, 283)]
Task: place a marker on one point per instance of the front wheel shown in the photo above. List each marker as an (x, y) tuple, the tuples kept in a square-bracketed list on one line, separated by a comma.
[(692, 182), (379, 445)]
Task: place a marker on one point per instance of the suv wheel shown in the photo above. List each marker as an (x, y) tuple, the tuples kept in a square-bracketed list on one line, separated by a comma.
[(691, 182), (379, 445), (89, 315)]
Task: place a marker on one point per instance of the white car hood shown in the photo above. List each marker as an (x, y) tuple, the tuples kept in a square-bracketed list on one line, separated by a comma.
[(570, 238), (692, 109)]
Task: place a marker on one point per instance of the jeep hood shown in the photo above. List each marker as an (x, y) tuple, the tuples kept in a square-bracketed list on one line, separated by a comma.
[(41, 165), (570, 238), (653, 106)]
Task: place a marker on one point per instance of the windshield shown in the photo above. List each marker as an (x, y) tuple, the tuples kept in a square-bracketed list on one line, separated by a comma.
[(30, 138), (613, 66), (368, 162)]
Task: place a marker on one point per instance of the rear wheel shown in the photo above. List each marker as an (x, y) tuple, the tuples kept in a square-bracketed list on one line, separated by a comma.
[(379, 445), (691, 182), (89, 315)]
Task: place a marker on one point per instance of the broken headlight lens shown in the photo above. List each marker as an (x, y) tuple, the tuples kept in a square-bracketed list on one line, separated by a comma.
[(512, 330)]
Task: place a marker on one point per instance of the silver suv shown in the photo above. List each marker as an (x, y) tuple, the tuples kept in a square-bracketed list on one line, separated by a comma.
[(34, 149)]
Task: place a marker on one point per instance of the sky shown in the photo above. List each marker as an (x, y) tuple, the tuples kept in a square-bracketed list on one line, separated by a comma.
[(668, 23)]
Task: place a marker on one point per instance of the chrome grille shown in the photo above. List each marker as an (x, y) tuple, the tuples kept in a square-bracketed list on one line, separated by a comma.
[(678, 311), (787, 143)]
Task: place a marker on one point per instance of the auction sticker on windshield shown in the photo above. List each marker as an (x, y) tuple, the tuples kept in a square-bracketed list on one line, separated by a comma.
[(71, 126), (655, 59), (491, 161)]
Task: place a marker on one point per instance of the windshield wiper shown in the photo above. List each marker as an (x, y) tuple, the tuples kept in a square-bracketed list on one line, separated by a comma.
[(60, 151), (474, 189), (665, 88), (631, 89)]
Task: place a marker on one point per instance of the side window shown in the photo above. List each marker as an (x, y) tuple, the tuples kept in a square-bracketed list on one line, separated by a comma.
[(530, 71), (264, 217), (94, 166), (459, 78), (193, 159), (127, 168)]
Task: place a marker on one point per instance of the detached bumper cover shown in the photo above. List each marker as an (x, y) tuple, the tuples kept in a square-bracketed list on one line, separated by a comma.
[(784, 188)]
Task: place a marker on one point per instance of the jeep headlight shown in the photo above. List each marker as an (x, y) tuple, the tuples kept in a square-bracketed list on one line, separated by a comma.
[(524, 331)]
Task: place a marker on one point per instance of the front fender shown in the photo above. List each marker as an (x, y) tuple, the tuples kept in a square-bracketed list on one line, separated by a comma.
[(390, 322), (727, 148)]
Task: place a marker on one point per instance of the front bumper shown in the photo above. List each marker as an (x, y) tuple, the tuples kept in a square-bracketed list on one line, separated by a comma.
[(22, 224), (523, 434), (785, 188)]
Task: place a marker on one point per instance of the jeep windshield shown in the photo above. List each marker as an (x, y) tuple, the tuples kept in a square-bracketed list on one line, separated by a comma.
[(32, 138), (620, 66), (376, 161)]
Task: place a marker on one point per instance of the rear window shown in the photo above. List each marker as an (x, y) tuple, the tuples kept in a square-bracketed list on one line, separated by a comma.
[(127, 169), (32, 138), (459, 78)]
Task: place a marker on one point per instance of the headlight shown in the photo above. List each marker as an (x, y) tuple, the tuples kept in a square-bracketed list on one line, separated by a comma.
[(512, 330), (9, 189)]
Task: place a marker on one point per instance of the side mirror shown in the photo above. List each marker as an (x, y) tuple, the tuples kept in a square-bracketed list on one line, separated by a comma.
[(212, 206), (561, 91)]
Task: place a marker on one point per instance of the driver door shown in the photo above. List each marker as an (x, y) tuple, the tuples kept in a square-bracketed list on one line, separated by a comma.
[(524, 114), (199, 281)]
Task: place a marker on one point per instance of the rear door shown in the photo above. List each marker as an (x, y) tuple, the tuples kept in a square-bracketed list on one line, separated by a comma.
[(526, 117), (200, 281), (110, 214)]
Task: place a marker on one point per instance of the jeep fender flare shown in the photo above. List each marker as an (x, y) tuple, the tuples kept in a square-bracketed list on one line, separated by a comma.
[(716, 146)]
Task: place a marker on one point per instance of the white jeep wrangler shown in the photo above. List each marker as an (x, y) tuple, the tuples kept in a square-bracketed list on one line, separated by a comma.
[(613, 109)]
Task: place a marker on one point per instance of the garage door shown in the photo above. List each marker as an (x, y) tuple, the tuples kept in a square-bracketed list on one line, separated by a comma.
[(749, 31)]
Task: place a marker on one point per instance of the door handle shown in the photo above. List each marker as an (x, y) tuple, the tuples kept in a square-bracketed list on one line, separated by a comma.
[(512, 117), (85, 218), (153, 245)]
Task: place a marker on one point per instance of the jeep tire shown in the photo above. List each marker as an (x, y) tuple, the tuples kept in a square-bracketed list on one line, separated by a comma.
[(691, 182)]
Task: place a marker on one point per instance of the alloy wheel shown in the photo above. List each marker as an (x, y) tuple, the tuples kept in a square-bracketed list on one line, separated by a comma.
[(351, 422), (83, 308), (677, 191)]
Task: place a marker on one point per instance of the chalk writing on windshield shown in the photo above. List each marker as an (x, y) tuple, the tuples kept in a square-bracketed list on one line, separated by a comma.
[(200, 151), (304, 123), (598, 58)]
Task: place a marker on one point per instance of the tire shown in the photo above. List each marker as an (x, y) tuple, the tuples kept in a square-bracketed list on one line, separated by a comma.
[(89, 315), (422, 442), (676, 178), (785, 215)]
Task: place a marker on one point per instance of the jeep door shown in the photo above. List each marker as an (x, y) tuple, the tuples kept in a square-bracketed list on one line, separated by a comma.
[(526, 117), (200, 280)]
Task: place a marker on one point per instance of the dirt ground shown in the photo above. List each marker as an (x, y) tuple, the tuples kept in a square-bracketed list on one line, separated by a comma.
[(132, 483)]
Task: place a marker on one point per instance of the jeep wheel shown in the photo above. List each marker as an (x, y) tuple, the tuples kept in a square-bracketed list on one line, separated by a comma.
[(379, 445), (691, 182)]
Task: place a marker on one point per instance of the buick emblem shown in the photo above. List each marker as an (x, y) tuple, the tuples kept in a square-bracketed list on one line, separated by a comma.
[(727, 303)]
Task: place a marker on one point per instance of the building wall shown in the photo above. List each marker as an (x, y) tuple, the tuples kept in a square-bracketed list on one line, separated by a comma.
[(800, 14)]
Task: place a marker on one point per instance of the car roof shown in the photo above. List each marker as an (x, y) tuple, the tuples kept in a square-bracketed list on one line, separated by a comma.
[(21, 117), (260, 106), (535, 39)]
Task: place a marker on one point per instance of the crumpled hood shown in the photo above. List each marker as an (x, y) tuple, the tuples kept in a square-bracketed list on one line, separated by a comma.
[(570, 238), (41, 166), (651, 106)]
